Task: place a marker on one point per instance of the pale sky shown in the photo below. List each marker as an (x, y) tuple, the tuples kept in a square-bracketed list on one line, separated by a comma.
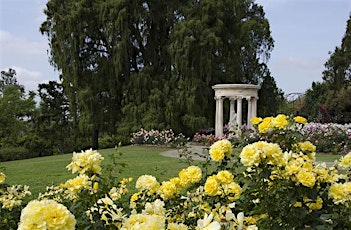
[(305, 31)]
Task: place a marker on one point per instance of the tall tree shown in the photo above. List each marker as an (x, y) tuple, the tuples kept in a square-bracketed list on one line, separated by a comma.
[(338, 68), (16, 110), (216, 42), (88, 44), (270, 97), (8, 78), (53, 122)]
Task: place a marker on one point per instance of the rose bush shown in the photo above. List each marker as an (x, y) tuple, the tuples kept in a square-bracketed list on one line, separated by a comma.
[(156, 137), (273, 183)]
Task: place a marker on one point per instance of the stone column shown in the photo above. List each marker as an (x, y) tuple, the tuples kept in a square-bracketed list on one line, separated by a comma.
[(219, 117), (249, 111), (232, 115), (239, 108), (254, 107)]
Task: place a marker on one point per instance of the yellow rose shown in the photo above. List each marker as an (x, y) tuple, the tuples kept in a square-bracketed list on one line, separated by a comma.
[(265, 125), (212, 186), (307, 146), (317, 205), (168, 190), (219, 149), (86, 162), (75, 185), (148, 183), (250, 155), (256, 120), (192, 174), (280, 121), (345, 161), (175, 226), (232, 190), (225, 177), (2, 177), (301, 120), (217, 154), (306, 178), (46, 214), (144, 221), (336, 192)]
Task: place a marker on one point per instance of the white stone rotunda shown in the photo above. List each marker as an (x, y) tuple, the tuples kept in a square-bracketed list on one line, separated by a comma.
[(235, 92)]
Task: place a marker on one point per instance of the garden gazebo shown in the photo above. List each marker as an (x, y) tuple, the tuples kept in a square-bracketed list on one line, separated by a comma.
[(235, 92)]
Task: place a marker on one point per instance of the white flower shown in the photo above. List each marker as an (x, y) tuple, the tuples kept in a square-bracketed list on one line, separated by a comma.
[(206, 224)]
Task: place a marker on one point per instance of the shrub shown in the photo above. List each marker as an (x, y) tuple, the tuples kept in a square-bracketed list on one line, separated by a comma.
[(111, 141), (14, 153), (329, 137), (155, 137)]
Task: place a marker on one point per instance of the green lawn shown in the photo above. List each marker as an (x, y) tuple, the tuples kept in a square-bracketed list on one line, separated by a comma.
[(41, 172), (324, 157)]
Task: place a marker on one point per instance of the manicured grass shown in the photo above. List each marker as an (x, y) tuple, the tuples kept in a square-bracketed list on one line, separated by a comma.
[(324, 157), (44, 171)]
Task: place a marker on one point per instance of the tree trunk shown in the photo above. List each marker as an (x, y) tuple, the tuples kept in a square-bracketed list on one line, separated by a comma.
[(95, 139)]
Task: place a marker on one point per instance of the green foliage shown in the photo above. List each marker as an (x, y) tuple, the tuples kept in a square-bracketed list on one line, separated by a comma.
[(270, 97), (14, 153), (338, 68), (110, 141), (16, 110)]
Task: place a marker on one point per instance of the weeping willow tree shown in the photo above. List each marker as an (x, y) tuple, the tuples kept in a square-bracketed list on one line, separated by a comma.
[(151, 63), (89, 44)]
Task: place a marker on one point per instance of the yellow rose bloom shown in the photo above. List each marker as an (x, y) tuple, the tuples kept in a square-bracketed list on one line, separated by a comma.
[(212, 186), (219, 149), (250, 155), (148, 183), (340, 193), (46, 214), (306, 178), (317, 205), (135, 196), (280, 121), (298, 204), (256, 120), (225, 177), (76, 184), (345, 161), (271, 152), (174, 226), (307, 146), (301, 120), (2, 177), (88, 161), (291, 168), (265, 125), (232, 190), (144, 221), (168, 190), (192, 174), (322, 173), (216, 154)]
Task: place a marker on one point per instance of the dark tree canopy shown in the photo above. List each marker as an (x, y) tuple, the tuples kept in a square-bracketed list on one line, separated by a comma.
[(151, 64), (338, 68)]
